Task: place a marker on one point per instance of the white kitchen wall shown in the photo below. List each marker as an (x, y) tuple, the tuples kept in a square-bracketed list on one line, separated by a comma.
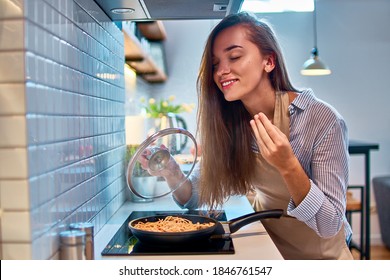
[(61, 122), (353, 39)]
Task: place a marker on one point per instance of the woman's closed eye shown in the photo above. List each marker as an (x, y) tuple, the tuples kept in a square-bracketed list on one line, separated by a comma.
[(233, 58)]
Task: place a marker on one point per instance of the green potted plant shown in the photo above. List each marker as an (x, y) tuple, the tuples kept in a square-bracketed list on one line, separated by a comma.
[(158, 109)]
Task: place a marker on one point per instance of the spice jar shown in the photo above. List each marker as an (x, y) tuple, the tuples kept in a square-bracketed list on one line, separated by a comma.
[(72, 244), (89, 243)]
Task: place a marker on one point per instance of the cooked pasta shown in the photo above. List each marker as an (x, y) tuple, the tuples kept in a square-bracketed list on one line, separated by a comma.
[(172, 224)]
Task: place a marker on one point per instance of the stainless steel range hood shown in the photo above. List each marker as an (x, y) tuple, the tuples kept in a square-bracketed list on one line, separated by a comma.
[(146, 10)]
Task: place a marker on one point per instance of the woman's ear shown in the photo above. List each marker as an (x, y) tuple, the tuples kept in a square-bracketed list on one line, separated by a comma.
[(269, 63)]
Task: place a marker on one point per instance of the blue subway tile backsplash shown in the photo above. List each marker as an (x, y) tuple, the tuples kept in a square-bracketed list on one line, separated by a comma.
[(70, 67)]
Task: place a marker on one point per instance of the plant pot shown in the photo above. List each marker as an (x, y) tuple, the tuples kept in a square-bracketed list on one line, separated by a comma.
[(145, 185)]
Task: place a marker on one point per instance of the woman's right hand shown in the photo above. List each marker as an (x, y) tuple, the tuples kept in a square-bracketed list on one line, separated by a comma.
[(171, 172)]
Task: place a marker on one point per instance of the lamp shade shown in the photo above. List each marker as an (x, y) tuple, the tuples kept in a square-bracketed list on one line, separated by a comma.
[(314, 66)]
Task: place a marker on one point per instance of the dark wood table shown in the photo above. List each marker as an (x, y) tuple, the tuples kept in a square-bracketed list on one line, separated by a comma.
[(363, 148)]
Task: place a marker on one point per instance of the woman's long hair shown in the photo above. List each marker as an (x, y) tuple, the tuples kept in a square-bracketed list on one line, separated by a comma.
[(228, 162)]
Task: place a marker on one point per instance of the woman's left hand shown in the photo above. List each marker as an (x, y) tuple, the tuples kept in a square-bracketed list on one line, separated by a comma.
[(273, 144), (276, 150)]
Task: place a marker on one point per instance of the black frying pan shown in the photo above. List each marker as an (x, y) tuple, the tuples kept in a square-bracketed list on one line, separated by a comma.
[(196, 235)]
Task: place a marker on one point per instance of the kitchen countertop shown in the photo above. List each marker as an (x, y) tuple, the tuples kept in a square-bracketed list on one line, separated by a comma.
[(251, 242)]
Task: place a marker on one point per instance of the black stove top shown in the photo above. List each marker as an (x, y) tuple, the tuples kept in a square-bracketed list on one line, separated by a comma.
[(123, 243)]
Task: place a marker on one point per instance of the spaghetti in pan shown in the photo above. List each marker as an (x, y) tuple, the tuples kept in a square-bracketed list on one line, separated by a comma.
[(172, 224)]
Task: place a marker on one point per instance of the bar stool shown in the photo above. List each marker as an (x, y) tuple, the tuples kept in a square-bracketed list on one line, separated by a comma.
[(382, 196)]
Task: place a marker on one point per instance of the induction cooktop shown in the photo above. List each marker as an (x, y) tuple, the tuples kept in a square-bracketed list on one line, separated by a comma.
[(123, 243)]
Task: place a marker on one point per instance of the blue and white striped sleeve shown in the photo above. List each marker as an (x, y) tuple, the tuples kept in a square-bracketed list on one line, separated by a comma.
[(323, 208), (193, 202)]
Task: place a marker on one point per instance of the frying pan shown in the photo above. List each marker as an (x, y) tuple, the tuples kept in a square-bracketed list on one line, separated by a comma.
[(168, 238)]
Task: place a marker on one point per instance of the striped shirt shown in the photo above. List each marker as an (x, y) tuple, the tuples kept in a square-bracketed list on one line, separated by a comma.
[(319, 139)]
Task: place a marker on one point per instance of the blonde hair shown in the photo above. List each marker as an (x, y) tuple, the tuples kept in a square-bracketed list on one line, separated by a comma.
[(228, 163)]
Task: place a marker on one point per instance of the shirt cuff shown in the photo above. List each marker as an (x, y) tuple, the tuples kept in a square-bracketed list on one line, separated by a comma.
[(192, 203), (309, 206)]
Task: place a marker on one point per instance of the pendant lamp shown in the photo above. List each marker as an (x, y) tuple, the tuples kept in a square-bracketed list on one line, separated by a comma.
[(314, 66)]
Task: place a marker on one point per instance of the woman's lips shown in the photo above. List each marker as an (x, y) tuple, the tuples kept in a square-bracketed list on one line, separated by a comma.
[(228, 83)]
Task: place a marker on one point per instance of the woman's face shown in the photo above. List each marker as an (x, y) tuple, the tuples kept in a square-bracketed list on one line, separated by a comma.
[(238, 65)]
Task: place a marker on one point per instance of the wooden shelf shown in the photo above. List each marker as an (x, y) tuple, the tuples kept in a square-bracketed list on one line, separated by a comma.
[(133, 48), (157, 77), (146, 56), (152, 30), (148, 70), (352, 203)]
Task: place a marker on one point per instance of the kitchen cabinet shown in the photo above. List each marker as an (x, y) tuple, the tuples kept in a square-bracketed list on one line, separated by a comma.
[(144, 49)]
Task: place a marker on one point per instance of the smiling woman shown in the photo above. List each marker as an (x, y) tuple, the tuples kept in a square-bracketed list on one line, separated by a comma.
[(253, 129)]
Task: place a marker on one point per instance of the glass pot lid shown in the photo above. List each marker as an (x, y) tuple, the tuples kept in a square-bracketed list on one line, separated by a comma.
[(160, 149)]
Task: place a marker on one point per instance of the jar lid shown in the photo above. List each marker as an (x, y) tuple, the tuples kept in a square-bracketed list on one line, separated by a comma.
[(84, 226), (72, 237)]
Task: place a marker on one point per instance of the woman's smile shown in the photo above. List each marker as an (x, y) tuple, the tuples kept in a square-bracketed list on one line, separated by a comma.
[(226, 84)]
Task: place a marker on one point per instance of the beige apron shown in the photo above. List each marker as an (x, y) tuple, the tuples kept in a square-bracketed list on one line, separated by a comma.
[(293, 238)]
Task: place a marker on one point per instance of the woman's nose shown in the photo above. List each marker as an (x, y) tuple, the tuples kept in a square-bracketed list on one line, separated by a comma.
[(222, 69)]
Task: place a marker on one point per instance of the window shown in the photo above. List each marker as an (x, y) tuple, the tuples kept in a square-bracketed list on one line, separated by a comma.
[(277, 6)]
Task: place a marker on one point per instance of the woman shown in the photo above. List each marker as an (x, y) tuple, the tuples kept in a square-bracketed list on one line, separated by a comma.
[(258, 132)]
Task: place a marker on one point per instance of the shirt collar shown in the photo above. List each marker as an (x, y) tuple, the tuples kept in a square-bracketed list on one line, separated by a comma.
[(302, 101)]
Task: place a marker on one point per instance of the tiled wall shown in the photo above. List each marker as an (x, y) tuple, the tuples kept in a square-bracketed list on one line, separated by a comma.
[(61, 123)]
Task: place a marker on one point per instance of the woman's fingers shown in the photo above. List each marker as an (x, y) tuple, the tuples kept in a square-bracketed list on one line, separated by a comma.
[(143, 160), (256, 132), (272, 131), (263, 130), (272, 143)]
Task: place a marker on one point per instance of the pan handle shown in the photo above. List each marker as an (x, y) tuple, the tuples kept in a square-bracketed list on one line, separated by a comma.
[(237, 223)]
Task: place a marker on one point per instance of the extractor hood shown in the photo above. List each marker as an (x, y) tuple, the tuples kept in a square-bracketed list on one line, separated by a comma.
[(146, 10)]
